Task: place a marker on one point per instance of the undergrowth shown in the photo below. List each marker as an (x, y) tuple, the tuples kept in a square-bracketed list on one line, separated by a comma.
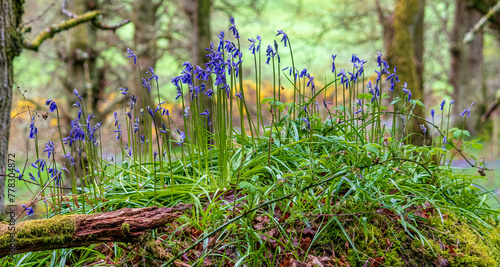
[(330, 177)]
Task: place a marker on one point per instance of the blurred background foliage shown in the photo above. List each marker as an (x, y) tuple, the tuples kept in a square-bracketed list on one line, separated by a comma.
[(164, 34)]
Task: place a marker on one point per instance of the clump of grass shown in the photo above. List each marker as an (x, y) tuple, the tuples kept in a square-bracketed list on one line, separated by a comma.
[(338, 156)]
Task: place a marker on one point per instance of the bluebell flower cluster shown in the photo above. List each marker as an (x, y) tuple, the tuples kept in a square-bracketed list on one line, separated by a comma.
[(52, 105)]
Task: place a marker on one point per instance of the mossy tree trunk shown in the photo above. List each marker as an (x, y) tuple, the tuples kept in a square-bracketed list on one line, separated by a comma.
[(466, 72), (66, 231), (404, 49), (198, 12), (11, 45)]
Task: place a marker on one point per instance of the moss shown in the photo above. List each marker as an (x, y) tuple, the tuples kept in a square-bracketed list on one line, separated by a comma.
[(125, 228), (389, 242), (59, 229)]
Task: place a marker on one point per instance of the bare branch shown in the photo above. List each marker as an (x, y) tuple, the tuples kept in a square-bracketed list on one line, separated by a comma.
[(102, 26), (65, 11), (52, 30)]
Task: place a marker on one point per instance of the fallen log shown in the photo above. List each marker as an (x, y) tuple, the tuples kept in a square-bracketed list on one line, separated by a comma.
[(64, 231)]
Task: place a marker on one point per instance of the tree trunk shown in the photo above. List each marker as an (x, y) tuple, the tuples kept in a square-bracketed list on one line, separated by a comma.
[(81, 64), (11, 45), (405, 51), (67, 231), (466, 74), (198, 12)]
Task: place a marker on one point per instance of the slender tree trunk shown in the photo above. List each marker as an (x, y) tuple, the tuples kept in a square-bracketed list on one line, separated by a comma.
[(11, 44), (145, 39), (405, 51), (198, 12), (466, 74)]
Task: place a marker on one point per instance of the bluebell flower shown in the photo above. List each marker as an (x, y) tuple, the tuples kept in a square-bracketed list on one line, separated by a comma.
[(303, 73), (269, 53), (49, 148), (119, 131), (123, 90), (379, 59), (153, 75), (52, 104), (206, 113), (233, 28), (432, 113), (406, 91), (19, 172), (132, 55), (146, 84), (326, 103), (252, 47), (442, 104), (32, 177), (333, 62), (33, 129), (182, 136), (239, 96), (75, 92), (423, 128), (136, 124), (69, 158), (307, 121), (285, 36), (463, 112), (150, 111), (186, 112), (115, 114), (344, 80), (143, 138), (444, 142), (29, 210), (451, 102), (311, 83), (129, 115)]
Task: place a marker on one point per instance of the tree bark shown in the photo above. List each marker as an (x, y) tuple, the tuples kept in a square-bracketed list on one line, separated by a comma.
[(466, 73), (66, 231), (11, 45), (405, 51), (198, 12)]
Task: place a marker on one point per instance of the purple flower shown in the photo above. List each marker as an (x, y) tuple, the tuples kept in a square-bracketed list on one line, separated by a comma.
[(49, 148), (451, 102), (124, 90), (463, 112), (19, 172), (333, 62), (285, 36), (119, 131), (143, 138), (136, 124), (32, 177), (326, 103), (75, 92), (444, 142), (307, 121), (151, 113), (254, 48), (186, 112), (146, 84), (69, 158), (206, 113), (432, 113), (132, 55), (52, 104), (153, 75), (33, 129), (423, 128), (442, 104), (269, 53), (29, 210), (239, 96), (182, 137), (233, 28)]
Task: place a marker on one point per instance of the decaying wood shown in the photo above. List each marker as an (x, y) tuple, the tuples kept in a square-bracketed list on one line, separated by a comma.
[(65, 231)]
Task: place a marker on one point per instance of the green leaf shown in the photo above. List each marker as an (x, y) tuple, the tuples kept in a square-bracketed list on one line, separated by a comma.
[(477, 146)]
